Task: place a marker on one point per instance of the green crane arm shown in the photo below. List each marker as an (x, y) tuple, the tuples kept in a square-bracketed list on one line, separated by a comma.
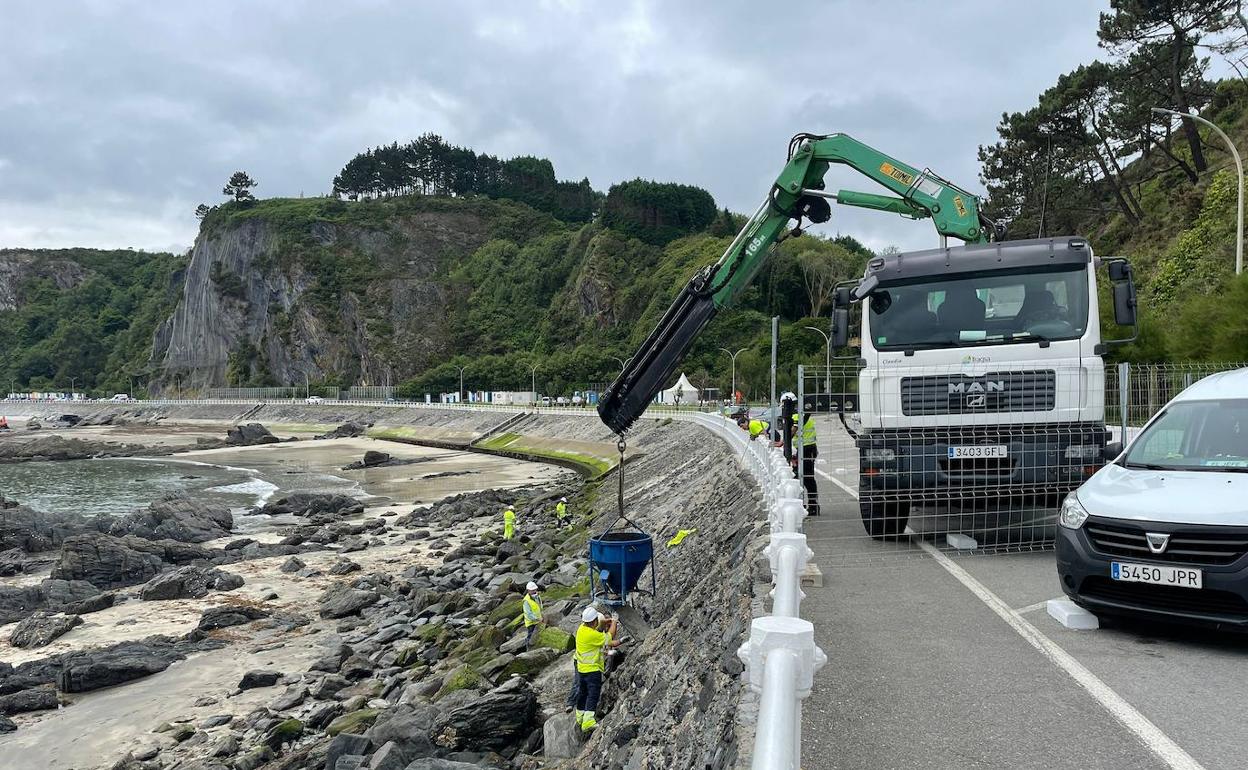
[(797, 194)]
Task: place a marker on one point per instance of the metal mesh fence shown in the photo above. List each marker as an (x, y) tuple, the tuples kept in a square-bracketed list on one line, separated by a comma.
[(973, 458)]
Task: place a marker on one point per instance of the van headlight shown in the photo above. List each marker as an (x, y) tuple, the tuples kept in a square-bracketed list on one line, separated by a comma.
[(1073, 514), (1082, 452)]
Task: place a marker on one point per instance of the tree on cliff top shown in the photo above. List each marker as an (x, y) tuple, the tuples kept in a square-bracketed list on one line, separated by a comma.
[(239, 186)]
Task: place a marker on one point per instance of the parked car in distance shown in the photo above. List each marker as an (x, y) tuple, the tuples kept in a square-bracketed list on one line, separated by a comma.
[(562, 401), (547, 401), (121, 397), (1162, 531), (314, 400)]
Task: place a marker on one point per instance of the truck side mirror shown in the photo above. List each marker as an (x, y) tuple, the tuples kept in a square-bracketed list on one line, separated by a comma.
[(840, 326), (1124, 292), (1111, 451)]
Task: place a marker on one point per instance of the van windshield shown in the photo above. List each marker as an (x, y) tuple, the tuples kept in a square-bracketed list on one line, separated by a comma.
[(1195, 436), (988, 309)]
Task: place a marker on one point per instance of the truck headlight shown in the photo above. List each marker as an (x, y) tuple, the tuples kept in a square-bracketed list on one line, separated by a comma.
[(879, 455), (1082, 452), (1073, 513)]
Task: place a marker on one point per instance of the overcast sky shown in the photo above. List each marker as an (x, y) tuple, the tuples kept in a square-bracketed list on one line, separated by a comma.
[(118, 118)]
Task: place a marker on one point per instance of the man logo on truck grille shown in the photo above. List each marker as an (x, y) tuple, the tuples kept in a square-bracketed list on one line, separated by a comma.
[(1157, 541), (976, 387), (976, 401)]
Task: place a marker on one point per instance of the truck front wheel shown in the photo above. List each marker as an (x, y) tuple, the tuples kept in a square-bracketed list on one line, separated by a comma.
[(884, 521)]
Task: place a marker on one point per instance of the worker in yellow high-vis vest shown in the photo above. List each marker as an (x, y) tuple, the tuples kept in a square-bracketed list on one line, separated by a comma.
[(509, 523), (810, 451), (561, 512), (595, 634), (532, 606)]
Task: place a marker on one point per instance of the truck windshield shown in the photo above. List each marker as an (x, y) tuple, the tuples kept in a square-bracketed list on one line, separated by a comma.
[(987, 309), (1195, 436)]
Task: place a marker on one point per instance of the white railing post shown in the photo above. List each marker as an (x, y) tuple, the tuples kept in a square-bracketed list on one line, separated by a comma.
[(788, 555), (780, 661)]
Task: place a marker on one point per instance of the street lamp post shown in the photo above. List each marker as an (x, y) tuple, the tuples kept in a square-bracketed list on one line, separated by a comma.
[(733, 356), (460, 395), (1239, 170), (827, 359), (72, 380), (533, 372)]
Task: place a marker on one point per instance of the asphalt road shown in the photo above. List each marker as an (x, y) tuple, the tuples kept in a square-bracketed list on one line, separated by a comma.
[(923, 672)]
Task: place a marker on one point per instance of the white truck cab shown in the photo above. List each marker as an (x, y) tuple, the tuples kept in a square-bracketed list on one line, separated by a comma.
[(981, 374)]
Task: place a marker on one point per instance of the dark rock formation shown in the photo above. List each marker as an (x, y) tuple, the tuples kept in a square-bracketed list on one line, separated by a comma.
[(176, 518), (229, 615), (341, 601), (87, 670), (182, 583), (254, 679), (312, 505), (249, 434), (41, 629), (34, 699), (499, 719)]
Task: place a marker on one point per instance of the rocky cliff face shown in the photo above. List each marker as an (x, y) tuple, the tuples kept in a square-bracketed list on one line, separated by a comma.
[(361, 302), (17, 266)]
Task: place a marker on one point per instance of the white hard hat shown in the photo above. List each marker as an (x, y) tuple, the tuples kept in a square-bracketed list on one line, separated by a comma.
[(589, 615), (788, 395), (563, 499), (531, 586)]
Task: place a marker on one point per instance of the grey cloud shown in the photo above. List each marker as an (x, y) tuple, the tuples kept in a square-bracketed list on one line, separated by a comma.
[(117, 118)]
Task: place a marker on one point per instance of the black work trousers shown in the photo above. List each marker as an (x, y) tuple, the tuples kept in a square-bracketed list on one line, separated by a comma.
[(809, 453), (589, 688)]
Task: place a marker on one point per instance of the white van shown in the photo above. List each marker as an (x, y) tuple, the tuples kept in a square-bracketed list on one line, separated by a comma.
[(1162, 531)]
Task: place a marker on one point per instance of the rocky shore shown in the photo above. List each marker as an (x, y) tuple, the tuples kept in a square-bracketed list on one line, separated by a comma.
[(385, 638)]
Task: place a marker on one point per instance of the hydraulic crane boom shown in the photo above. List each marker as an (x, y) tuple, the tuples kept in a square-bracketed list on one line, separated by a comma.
[(798, 193)]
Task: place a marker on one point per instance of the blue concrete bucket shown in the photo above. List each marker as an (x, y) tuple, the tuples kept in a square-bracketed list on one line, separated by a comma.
[(617, 559)]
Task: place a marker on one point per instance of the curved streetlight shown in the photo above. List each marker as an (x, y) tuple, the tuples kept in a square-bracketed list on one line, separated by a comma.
[(623, 363), (460, 396), (534, 375), (733, 356), (827, 359), (1239, 169)]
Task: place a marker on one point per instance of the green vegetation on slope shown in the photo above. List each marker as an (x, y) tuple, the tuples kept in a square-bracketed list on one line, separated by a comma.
[(92, 334)]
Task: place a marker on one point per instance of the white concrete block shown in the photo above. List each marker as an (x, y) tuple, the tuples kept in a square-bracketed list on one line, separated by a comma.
[(1072, 616), (812, 576), (961, 542)]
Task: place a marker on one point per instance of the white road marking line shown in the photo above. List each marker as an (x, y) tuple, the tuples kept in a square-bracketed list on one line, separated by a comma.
[(839, 483), (1032, 607), (1153, 738), (1158, 742)]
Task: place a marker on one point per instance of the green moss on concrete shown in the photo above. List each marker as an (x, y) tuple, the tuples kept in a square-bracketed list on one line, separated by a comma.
[(355, 722)]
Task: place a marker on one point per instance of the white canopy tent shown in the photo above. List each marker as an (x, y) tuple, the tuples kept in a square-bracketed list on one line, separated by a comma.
[(683, 388)]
